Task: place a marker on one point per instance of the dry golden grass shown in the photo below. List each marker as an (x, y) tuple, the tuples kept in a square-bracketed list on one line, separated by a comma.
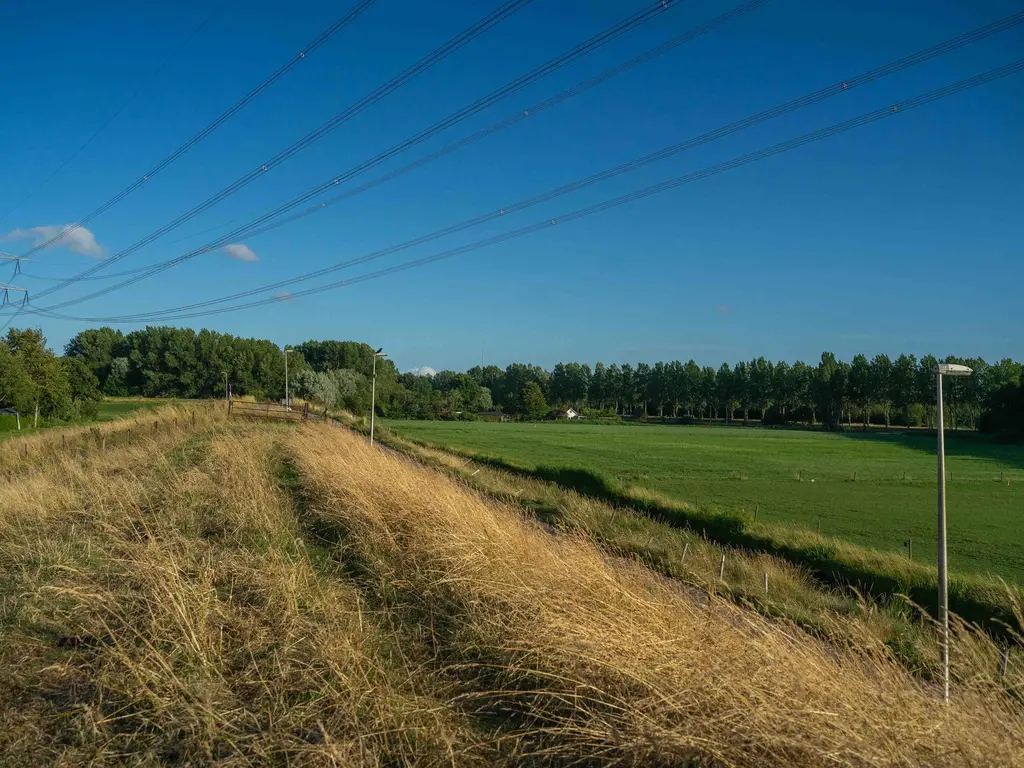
[(892, 627), (161, 605), (603, 660)]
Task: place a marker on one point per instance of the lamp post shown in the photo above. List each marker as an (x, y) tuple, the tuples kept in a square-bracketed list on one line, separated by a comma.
[(944, 369), (287, 400), (373, 390), (227, 392)]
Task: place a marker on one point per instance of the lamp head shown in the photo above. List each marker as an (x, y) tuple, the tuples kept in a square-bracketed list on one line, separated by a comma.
[(952, 369)]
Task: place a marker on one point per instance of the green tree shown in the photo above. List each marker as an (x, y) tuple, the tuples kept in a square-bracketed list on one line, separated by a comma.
[(17, 390), (532, 402), (726, 391), (51, 391), (882, 384), (783, 386), (97, 348), (762, 384), (741, 388), (83, 386), (904, 385), (862, 386)]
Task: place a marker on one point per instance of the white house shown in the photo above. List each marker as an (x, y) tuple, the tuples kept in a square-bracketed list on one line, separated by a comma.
[(570, 413)]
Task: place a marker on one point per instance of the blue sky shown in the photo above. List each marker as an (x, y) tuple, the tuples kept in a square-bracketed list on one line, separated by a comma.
[(905, 235)]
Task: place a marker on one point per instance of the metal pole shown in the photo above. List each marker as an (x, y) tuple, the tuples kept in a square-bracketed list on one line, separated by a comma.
[(373, 397), (943, 575)]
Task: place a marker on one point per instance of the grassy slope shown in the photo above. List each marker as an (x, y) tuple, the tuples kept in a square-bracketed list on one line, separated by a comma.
[(734, 469), (161, 605), (262, 594), (835, 613), (605, 657)]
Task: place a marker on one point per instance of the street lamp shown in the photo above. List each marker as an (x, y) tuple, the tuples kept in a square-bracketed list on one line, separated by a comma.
[(287, 400), (944, 369), (373, 389)]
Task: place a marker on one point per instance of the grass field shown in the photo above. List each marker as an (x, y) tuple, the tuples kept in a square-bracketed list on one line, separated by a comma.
[(795, 477)]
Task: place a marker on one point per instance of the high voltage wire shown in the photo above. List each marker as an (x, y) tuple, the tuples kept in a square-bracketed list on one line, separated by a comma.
[(463, 38), (616, 30), (518, 116), (228, 114), (896, 66), (782, 109), (118, 111), (785, 146), (317, 42), (877, 73)]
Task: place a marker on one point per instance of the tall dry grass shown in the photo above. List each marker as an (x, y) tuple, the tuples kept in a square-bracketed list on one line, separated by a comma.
[(161, 604), (892, 627), (600, 660)]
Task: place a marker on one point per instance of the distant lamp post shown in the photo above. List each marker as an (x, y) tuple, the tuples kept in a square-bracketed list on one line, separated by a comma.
[(287, 399), (373, 390), (944, 369)]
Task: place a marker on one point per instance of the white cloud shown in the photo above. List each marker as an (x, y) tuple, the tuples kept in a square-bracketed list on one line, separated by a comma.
[(282, 296), (423, 370), (725, 309), (80, 240), (240, 252)]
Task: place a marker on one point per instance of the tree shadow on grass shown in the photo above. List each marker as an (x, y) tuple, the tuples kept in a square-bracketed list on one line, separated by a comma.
[(821, 558), (969, 444)]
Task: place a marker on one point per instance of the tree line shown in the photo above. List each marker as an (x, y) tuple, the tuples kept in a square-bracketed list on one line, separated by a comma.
[(879, 390), (181, 362)]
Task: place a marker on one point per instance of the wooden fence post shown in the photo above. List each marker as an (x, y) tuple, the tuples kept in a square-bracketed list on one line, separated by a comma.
[(156, 426), (757, 508), (721, 569), (686, 546), (766, 582)]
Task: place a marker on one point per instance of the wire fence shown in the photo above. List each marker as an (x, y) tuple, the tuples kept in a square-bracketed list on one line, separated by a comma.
[(275, 411)]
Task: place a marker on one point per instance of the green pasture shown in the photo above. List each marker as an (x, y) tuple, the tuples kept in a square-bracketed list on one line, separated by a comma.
[(876, 488)]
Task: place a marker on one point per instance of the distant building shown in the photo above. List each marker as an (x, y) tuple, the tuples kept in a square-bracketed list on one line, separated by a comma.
[(563, 413)]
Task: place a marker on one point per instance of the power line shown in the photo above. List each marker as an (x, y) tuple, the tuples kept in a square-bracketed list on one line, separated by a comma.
[(228, 114), (460, 40), (839, 87), (629, 23), (775, 149), (118, 111), (516, 117), (254, 228)]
